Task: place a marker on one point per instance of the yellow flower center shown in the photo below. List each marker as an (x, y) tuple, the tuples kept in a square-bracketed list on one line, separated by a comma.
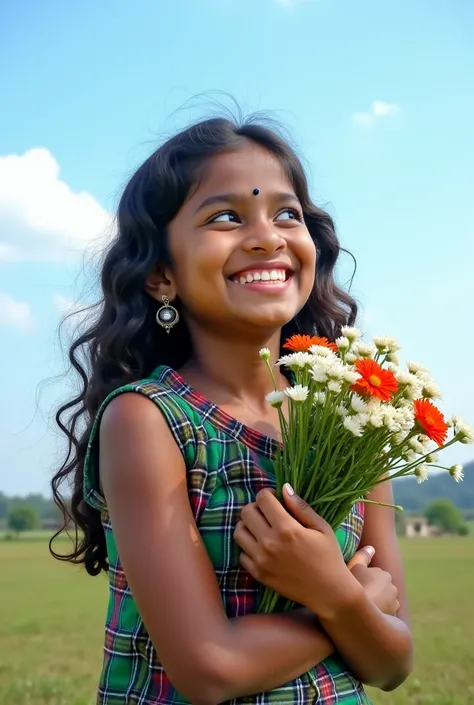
[(375, 381)]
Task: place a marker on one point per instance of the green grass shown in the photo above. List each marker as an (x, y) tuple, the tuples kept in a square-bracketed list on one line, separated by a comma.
[(52, 625)]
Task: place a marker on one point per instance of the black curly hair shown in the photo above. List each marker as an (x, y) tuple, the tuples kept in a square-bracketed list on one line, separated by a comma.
[(124, 344)]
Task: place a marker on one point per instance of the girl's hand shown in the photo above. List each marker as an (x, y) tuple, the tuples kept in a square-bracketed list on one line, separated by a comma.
[(378, 587), (295, 553), (377, 583)]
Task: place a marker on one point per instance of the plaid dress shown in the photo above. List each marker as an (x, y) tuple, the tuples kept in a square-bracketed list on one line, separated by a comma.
[(227, 464)]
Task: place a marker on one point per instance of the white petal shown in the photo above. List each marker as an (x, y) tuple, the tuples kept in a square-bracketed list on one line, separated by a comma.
[(275, 398), (351, 333), (297, 393)]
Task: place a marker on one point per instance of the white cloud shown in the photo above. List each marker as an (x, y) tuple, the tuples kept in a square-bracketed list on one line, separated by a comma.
[(16, 314), (379, 109), (41, 217)]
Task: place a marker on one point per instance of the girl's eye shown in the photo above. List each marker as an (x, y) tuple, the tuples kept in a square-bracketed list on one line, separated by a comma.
[(289, 214), (224, 217)]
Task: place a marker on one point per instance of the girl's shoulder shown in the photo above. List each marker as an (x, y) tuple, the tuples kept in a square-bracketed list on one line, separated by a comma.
[(183, 419)]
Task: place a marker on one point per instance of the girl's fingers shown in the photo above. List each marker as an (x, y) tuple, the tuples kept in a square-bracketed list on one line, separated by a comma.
[(255, 521), (362, 557), (245, 539), (247, 564)]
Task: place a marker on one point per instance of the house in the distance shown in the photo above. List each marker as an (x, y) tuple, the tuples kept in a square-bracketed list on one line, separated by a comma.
[(419, 527)]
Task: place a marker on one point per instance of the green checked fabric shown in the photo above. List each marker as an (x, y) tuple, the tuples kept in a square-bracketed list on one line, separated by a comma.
[(227, 464)]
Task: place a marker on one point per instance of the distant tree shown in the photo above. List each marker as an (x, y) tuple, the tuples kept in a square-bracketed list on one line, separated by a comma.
[(23, 518), (445, 514), (3, 505)]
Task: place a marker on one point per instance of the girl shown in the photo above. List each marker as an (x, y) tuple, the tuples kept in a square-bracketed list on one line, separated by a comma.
[(219, 252)]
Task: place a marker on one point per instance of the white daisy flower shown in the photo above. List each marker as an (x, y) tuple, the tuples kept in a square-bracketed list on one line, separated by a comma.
[(318, 373), (275, 399), (416, 446), (425, 441), (363, 419), (319, 398), (387, 344), (453, 421), (334, 386), (350, 358), (296, 361), (411, 385), (358, 404), (297, 393), (393, 359), (374, 404), (351, 424), (392, 367), (351, 333), (409, 455), (390, 419), (364, 350), (456, 472), (343, 343), (264, 353), (405, 417), (342, 411), (432, 458), (421, 473), (399, 438), (430, 389), (403, 403), (416, 367), (376, 419), (464, 434), (349, 376), (336, 371), (322, 351)]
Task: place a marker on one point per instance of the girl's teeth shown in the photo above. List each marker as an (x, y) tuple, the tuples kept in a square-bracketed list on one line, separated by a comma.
[(265, 276)]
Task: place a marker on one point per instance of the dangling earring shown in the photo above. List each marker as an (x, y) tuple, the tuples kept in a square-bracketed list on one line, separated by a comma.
[(167, 316)]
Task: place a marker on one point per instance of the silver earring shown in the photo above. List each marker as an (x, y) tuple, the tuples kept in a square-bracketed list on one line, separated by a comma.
[(167, 316)]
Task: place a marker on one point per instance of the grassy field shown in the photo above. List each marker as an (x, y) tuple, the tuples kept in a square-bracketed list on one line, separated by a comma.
[(52, 623)]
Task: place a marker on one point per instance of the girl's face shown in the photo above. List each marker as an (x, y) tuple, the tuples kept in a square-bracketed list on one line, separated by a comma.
[(242, 261)]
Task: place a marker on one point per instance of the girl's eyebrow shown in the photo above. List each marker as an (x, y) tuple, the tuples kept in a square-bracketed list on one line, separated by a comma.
[(235, 197)]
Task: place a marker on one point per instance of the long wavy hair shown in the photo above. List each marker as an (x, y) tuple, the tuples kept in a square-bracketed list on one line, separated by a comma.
[(124, 344)]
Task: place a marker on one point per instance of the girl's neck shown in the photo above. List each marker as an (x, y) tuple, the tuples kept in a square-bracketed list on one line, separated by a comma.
[(224, 369)]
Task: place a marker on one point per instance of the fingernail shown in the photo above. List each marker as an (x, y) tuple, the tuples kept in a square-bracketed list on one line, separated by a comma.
[(289, 489), (370, 550)]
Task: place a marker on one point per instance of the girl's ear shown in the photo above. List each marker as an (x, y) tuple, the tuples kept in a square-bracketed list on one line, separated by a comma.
[(161, 283)]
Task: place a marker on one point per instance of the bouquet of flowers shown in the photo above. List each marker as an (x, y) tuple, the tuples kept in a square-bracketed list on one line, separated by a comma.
[(354, 418)]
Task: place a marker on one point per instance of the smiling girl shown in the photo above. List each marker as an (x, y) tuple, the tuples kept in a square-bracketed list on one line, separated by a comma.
[(219, 253)]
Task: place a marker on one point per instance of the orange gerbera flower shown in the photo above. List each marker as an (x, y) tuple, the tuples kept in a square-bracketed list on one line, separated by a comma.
[(374, 380), (430, 420), (302, 343)]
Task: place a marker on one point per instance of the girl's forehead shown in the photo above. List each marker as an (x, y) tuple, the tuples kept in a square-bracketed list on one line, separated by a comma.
[(245, 168)]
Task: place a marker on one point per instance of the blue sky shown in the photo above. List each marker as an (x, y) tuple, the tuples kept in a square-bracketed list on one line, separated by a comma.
[(378, 96)]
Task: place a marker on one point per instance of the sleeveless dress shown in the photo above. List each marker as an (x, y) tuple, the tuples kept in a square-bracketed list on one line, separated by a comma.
[(227, 464)]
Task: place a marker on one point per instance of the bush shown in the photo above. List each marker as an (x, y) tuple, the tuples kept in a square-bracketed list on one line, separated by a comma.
[(23, 519), (445, 514)]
